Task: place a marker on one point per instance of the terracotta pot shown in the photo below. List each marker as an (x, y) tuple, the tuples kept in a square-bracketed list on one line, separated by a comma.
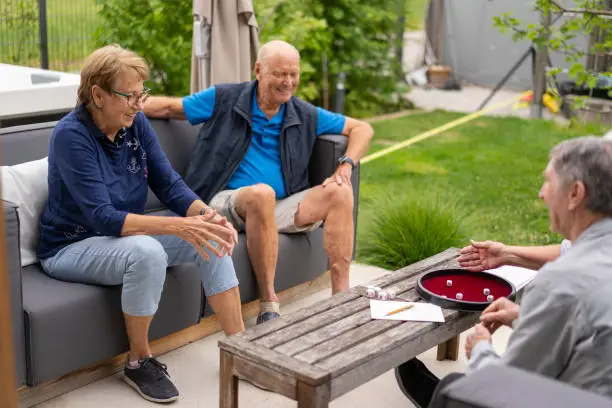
[(438, 75)]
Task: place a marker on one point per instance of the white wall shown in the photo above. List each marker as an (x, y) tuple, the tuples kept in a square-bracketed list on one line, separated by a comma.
[(479, 52)]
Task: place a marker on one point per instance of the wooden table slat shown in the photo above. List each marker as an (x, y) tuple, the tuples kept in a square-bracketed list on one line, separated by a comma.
[(318, 336), (274, 360), (264, 377), (332, 331), (370, 369), (261, 330), (348, 340), (395, 336), (295, 331), (313, 323)]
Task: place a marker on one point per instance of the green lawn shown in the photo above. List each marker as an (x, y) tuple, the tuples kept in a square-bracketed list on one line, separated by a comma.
[(71, 25), (491, 166)]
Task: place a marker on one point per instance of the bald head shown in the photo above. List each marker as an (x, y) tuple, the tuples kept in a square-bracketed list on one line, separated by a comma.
[(278, 73), (277, 48)]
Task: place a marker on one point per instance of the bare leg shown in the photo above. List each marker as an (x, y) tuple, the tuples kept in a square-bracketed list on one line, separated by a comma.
[(227, 309), (333, 204), (255, 205), (138, 336)]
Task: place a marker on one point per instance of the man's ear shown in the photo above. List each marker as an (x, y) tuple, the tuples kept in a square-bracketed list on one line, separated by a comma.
[(577, 195), (257, 69)]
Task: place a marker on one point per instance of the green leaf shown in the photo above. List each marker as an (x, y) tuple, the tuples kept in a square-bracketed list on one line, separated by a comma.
[(576, 69)]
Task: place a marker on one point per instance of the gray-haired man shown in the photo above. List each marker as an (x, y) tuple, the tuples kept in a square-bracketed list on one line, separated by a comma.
[(563, 328)]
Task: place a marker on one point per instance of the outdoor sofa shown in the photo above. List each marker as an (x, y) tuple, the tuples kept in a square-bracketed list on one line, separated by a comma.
[(60, 327)]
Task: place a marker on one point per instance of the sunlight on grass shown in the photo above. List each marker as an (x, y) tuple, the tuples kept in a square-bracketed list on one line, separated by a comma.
[(424, 168)]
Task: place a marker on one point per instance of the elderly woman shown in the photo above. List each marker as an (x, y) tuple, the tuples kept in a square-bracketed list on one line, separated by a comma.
[(103, 157)]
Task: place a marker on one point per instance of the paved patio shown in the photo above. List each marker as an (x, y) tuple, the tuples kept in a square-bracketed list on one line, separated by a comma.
[(466, 100), (195, 370), (469, 98)]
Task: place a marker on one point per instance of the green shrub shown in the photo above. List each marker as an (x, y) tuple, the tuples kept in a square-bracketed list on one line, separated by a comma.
[(355, 36), (406, 229), (159, 31)]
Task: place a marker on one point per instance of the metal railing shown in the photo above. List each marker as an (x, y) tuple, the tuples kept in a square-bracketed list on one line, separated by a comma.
[(51, 34)]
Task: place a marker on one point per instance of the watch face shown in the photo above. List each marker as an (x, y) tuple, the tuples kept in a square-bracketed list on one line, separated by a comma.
[(345, 159)]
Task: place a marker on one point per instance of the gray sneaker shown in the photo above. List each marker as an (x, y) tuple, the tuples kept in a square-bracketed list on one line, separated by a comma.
[(266, 316), (152, 381)]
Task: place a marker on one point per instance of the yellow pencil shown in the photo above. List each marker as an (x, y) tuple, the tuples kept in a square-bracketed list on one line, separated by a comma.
[(401, 309)]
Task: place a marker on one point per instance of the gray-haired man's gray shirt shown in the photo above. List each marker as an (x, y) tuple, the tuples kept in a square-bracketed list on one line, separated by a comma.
[(564, 328)]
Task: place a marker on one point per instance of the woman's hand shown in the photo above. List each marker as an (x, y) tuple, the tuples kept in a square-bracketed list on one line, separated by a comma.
[(221, 220), (209, 231)]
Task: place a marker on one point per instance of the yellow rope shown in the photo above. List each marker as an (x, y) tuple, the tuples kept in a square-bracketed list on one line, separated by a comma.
[(440, 129)]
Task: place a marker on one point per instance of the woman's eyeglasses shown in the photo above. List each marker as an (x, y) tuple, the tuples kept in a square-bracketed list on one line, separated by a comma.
[(134, 98)]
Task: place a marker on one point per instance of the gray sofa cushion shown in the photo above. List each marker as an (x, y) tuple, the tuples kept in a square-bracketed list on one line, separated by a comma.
[(501, 386), (177, 138), (300, 259), (11, 224), (70, 326)]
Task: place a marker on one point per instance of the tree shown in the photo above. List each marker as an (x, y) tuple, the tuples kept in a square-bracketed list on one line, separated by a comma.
[(355, 37), (159, 31), (587, 17)]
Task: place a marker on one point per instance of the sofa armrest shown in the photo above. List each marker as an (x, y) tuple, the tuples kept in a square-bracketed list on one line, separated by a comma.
[(519, 388), (323, 163), (324, 159), (13, 263)]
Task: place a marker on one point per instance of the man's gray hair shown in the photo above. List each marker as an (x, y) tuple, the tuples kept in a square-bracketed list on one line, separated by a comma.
[(275, 46), (587, 159)]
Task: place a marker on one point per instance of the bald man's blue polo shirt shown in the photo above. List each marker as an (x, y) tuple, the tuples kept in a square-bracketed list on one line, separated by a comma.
[(262, 162)]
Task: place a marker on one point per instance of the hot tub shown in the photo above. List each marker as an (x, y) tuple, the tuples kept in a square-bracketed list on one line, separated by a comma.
[(30, 95)]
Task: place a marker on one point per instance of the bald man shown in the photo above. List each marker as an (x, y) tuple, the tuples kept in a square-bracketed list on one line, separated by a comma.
[(251, 164)]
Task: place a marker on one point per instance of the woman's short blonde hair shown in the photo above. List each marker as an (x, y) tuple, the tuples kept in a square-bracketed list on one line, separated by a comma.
[(104, 66)]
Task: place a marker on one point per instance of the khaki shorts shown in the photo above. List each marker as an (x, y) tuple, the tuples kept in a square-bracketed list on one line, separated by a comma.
[(284, 211)]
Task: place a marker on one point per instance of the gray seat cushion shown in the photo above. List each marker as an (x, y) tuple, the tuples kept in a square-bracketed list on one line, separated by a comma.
[(300, 259), (70, 326)]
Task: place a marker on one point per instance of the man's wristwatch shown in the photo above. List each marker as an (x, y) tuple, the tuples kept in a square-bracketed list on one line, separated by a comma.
[(346, 159)]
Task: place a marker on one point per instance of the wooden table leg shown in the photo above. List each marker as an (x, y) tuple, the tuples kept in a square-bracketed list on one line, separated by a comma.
[(449, 350), (313, 397), (228, 382)]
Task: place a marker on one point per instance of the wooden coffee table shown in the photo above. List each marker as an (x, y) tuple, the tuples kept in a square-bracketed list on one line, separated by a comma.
[(323, 351)]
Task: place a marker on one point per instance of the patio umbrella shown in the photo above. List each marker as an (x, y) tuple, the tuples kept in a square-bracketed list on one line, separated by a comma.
[(225, 42)]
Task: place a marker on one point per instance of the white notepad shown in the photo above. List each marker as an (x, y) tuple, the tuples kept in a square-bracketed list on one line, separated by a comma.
[(419, 312), (518, 276)]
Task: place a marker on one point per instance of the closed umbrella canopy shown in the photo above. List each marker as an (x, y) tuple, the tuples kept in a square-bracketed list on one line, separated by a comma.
[(225, 42)]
